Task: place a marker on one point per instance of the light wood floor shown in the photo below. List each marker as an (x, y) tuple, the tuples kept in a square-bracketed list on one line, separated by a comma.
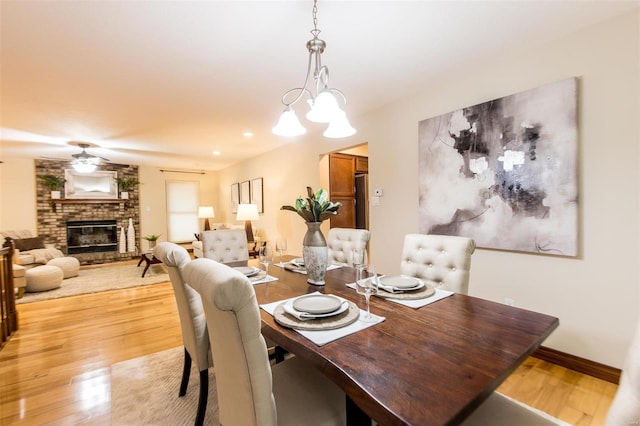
[(56, 369)]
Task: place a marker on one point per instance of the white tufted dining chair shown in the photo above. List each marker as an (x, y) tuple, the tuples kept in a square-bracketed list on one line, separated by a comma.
[(625, 409), (341, 242), (225, 245), (192, 322), (250, 391), (441, 259)]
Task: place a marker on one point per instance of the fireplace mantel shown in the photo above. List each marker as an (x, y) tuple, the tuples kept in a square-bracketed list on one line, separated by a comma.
[(88, 200)]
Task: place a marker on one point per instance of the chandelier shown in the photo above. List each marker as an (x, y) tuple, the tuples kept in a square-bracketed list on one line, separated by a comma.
[(323, 105)]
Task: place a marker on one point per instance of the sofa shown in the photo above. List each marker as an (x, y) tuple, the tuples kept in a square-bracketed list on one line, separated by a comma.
[(30, 251)]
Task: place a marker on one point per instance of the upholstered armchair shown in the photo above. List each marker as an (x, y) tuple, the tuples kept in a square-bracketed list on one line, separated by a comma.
[(443, 260), (192, 322), (250, 391), (225, 245), (341, 242)]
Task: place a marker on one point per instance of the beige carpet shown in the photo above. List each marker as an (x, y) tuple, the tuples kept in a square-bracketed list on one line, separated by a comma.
[(103, 278), (144, 391)]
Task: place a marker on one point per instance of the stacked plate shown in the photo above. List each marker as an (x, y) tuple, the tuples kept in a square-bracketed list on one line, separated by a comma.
[(249, 271), (313, 306), (399, 283)]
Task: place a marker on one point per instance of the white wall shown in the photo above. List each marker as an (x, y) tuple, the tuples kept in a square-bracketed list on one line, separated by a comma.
[(17, 199), (596, 295)]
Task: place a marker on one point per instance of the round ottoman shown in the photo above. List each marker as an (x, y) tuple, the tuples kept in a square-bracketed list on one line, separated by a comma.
[(70, 266), (42, 278)]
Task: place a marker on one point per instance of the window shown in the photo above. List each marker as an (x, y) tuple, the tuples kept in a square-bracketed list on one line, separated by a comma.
[(183, 199)]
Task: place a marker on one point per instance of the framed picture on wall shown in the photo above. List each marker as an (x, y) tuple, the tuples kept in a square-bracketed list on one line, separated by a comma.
[(235, 197), (256, 194), (245, 192)]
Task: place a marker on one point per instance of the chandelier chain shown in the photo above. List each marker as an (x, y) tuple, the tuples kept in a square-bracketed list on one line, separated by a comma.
[(314, 13)]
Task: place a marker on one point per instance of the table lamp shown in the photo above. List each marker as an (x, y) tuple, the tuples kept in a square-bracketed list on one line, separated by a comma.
[(205, 213), (248, 212)]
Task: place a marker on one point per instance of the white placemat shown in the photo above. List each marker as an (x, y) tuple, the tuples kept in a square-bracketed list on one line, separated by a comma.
[(417, 303), (322, 337), (262, 278)]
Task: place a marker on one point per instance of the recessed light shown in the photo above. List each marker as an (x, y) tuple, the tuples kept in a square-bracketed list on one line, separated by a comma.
[(247, 134), (216, 153)]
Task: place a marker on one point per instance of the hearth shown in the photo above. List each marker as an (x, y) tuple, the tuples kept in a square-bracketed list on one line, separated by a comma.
[(92, 236)]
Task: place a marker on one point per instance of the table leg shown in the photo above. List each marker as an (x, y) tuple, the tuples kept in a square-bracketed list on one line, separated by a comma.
[(145, 269), (355, 416)]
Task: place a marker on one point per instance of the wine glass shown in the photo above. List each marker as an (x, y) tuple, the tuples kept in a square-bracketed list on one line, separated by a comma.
[(368, 286), (357, 260), (265, 256), (281, 247)]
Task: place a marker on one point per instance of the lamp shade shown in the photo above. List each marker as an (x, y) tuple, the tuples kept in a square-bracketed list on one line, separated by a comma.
[(205, 212), (324, 108), (288, 124), (339, 127), (84, 166), (247, 212)]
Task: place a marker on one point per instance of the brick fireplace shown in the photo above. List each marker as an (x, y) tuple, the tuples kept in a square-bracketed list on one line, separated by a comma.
[(54, 215)]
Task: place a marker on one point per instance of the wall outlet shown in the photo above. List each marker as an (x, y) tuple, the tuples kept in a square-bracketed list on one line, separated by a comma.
[(509, 302)]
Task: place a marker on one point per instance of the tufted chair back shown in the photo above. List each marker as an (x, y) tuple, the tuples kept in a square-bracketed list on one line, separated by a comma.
[(444, 260), (250, 391), (192, 321), (225, 245), (341, 242), (243, 373), (625, 409)]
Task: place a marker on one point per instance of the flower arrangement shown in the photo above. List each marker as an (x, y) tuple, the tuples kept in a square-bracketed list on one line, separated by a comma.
[(152, 237), (316, 207)]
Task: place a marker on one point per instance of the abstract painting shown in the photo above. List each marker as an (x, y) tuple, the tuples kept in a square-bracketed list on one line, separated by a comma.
[(504, 172)]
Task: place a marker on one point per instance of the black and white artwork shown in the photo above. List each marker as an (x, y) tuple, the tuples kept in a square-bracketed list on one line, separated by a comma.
[(504, 172)]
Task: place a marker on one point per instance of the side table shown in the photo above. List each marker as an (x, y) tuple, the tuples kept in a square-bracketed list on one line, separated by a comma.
[(150, 259)]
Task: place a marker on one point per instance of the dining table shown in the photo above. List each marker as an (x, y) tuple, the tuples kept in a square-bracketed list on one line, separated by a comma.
[(432, 365)]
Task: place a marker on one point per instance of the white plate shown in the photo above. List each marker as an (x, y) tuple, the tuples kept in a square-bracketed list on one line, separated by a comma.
[(400, 282), (304, 315), (299, 262), (249, 271), (317, 303)]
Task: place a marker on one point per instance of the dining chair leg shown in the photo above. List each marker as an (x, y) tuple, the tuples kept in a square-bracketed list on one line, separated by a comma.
[(186, 371), (279, 354), (204, 395)]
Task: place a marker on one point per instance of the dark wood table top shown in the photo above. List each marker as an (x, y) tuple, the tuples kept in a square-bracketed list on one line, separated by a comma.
[(428, 366)]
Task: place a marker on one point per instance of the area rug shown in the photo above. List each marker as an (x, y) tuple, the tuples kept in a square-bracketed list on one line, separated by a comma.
[(144, 391), (103, 278)]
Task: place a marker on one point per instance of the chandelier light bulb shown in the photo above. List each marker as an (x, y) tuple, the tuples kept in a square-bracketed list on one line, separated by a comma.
[(324, 108), (339, 127), (288, 124)]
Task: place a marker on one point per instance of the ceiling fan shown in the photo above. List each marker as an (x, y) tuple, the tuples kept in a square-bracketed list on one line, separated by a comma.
[(83, 162)]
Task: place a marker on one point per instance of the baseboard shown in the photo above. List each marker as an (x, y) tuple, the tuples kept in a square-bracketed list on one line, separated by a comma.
[(581, 365)]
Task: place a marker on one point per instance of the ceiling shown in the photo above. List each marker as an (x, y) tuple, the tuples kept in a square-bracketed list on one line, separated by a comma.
[(165, 83)]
